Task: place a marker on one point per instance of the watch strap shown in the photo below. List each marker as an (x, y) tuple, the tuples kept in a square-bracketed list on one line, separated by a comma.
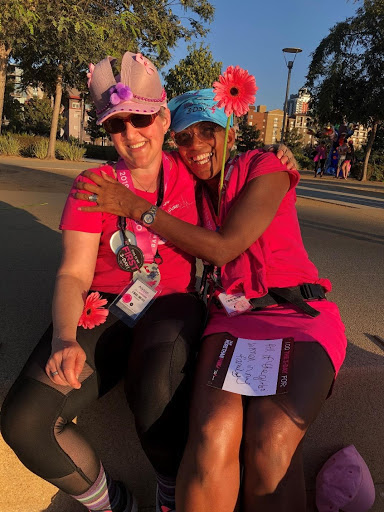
[(149, 216)]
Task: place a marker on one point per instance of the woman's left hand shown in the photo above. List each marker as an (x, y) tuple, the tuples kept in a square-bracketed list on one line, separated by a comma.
[(112, 196)]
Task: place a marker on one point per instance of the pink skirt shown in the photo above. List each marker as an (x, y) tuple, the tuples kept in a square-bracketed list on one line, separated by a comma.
[(282, 321)]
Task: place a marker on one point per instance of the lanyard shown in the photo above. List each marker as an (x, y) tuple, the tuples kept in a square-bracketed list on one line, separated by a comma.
[(146, 239), (210, 220), (206, 210)]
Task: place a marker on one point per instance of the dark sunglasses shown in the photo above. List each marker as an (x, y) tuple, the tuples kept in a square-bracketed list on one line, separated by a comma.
[(205, 131), (117, 124)]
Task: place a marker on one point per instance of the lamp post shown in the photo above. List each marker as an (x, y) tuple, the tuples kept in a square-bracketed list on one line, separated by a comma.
[(289, 64)]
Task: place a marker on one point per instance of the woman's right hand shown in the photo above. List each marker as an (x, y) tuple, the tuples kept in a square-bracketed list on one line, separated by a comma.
[(67, 358)]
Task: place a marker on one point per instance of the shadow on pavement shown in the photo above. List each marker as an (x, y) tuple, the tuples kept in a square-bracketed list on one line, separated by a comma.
[(29, 259), (349, 233), (16, 177)]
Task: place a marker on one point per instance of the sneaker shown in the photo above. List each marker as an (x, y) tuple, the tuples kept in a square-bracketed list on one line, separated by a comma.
[(161, 508), (130, 500)]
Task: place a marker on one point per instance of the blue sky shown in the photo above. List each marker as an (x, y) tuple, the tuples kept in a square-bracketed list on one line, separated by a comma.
[(252, 33)]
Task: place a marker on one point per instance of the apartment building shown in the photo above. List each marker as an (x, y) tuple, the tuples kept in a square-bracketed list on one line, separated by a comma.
[(76, 116), (268, 122), (302, 123), (360, 136), (14, 75), (299, 103)]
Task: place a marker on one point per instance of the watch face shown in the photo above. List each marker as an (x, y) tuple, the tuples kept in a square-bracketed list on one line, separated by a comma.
[(148, 218)]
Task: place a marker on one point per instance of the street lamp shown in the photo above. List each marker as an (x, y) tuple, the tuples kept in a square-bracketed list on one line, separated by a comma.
[(289, 66)]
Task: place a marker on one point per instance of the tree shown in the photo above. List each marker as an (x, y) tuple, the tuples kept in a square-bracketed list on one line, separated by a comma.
[(248, 136), (346, 74), (294, 139), (17, 21), (38, 116), (197, 71), (13, 109), (72, 33), (94, 130)]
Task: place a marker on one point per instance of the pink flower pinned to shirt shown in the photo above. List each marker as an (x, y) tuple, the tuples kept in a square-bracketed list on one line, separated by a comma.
[(235, 91), (93, 313)]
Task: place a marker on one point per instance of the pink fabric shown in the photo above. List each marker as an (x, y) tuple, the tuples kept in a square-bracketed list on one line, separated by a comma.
[(177, 270), (321, 154), (277, 259)]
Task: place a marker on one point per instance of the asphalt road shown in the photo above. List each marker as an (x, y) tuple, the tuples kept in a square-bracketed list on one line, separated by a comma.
[(343, 230), (343, 192), (342, 224)]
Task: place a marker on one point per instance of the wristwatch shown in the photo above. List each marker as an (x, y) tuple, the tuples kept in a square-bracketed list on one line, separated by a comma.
[(149, 216)]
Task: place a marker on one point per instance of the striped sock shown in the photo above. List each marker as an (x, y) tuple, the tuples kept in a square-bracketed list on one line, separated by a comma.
[(104, 495), (166, 486)]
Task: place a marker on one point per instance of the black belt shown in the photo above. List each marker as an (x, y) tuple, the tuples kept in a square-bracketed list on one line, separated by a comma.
[(296, 295)]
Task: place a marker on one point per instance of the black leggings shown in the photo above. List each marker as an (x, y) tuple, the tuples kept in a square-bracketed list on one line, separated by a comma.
[(154, 358)]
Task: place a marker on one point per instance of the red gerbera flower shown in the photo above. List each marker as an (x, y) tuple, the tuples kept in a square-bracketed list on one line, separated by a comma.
[(235, 91), (93, 313)]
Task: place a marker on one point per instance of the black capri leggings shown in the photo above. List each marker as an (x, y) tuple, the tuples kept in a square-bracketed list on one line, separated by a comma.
[(154, 358)]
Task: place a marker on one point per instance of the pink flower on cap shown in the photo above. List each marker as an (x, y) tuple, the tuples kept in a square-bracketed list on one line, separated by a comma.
[(119, 93), (344, 482)]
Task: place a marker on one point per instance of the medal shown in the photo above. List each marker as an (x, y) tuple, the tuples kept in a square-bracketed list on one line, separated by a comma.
[(130, 258), (149, 273), (117, 240)]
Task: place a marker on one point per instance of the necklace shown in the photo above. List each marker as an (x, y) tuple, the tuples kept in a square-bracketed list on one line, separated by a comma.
[(146, 189)]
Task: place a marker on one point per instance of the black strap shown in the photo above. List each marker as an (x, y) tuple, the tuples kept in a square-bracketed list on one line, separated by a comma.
[(296, 295)]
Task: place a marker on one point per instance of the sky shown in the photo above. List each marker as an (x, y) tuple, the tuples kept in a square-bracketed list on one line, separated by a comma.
[(252, 34)]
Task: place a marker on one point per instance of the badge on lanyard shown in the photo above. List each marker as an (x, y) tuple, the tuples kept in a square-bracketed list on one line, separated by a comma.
[(130, 258), (116, 241), (149, 273)]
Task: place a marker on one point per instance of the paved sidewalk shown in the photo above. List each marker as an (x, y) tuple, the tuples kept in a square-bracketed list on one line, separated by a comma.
[(346, 245)]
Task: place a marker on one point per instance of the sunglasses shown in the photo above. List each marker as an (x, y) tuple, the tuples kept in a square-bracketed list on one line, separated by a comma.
[(205, 131), (117, 124)]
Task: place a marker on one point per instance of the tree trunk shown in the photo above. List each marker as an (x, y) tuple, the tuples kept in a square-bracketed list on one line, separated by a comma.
[(55, 118), (4, 54), (371, 140)]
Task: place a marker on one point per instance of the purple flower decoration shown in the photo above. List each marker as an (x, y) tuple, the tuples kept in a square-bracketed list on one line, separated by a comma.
[(119, 93)]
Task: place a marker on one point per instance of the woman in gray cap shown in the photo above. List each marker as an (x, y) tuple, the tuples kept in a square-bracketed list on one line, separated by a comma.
[(262, 287), (149, 341)]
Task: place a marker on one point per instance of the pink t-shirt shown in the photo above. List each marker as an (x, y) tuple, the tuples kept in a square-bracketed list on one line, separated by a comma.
[(278, 258), (178, 268), (321, 153)]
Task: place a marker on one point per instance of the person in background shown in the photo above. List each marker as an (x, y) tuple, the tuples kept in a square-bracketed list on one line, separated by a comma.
[(349, 159), (332, 169), (341, 153), (253, 243), (319, 159), (88, 350)]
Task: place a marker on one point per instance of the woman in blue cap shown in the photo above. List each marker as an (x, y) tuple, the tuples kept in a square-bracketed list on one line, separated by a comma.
[(259, 267)]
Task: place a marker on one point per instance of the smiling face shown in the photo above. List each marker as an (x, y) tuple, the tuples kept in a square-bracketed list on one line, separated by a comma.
[(141, 148), (203, 154)]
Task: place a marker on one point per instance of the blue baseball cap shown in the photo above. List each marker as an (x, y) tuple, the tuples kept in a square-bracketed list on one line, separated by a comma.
[(196, 106)]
